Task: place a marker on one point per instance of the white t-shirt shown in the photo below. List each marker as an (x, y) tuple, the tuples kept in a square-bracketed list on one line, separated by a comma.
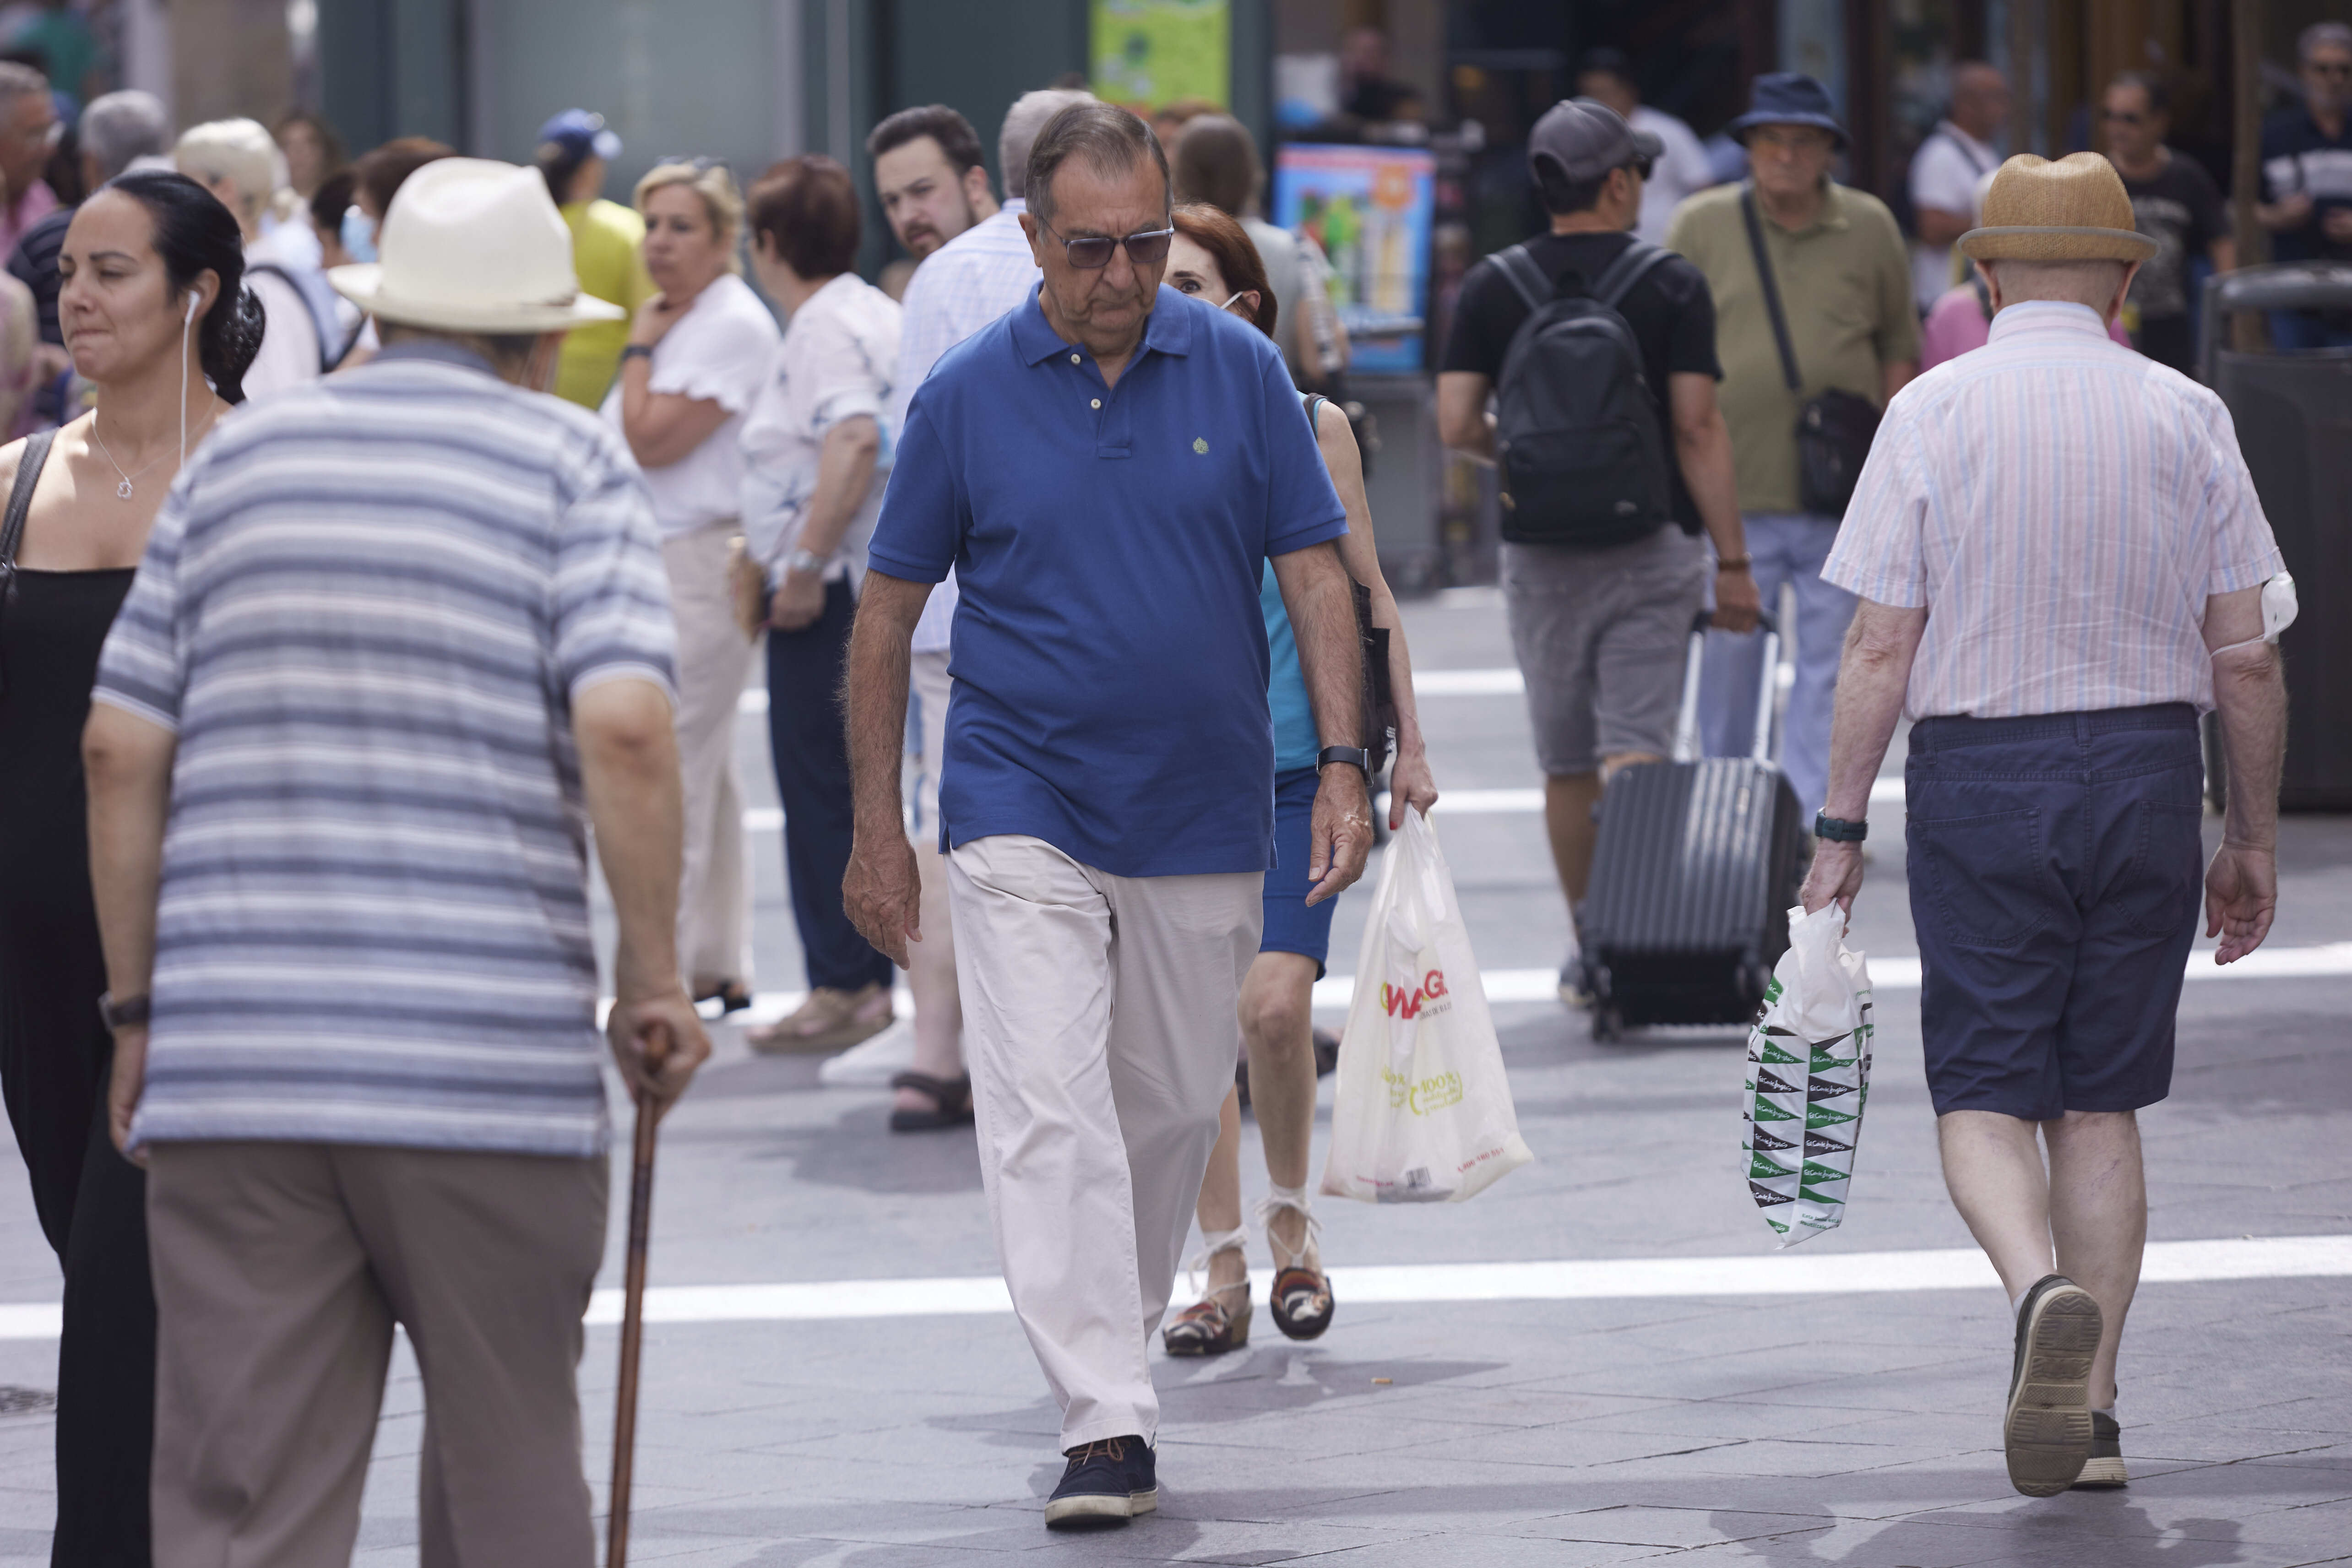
[(839, 352), (1682, 169), (289, 354), (1944, 175), (718, 352)]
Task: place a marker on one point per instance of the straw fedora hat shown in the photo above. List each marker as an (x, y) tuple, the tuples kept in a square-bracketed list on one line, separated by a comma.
[(2071, 210), (473, 246)]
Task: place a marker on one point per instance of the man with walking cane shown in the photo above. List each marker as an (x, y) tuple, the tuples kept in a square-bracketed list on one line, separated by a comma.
[(2062, 562), (399, 638)]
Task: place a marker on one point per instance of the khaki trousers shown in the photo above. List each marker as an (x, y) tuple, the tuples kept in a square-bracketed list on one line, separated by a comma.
[(279, 1271), (714, 660), (1100, 1028)]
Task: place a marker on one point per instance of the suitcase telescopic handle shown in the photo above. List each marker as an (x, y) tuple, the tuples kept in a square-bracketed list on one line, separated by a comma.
[(1686, 747)]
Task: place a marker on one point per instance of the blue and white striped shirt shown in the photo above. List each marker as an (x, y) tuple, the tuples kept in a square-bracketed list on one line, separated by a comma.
[(364, 611)]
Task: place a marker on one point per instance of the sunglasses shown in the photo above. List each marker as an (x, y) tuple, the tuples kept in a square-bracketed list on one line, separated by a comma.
[(1091, 253)]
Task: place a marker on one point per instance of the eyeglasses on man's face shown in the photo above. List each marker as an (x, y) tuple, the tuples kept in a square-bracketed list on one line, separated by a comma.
[(1092, 253)]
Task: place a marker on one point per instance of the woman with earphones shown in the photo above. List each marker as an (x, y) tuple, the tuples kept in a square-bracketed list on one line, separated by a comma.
[(155, 315)]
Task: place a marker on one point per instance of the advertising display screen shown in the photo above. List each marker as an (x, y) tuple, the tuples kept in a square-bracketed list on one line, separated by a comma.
[(1369, 208)]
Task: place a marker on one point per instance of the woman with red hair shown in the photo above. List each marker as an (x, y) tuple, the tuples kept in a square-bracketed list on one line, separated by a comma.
[(1212, 259)]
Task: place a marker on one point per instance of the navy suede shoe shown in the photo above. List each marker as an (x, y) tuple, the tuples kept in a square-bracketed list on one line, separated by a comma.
[(1107, 1483)]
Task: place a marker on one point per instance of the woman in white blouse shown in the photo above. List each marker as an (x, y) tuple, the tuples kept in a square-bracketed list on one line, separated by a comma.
[(814, 468), (695, 356)]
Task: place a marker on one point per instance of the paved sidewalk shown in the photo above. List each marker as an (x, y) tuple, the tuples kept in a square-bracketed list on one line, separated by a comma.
[(1855, 1430)]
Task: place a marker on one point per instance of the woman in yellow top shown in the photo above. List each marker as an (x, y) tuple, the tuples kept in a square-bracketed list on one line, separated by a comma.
[(575, 148)]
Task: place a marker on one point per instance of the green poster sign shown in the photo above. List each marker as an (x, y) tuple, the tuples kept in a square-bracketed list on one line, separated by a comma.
[(1154, 52)]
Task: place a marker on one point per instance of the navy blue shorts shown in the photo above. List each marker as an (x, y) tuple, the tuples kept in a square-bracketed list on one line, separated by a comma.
[(1290, 926), (2056, 875)]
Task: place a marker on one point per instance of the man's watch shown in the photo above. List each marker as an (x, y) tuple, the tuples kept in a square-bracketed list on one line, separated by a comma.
[(1356, 757), (1838, 830), (806, 560), (128, 1013), (636, 352)]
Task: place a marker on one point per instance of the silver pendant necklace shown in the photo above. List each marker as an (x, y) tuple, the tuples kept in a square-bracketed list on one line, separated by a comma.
[(123, 490)]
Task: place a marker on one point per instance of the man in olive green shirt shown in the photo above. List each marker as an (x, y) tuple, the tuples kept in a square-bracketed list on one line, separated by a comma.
[(1844, 281)]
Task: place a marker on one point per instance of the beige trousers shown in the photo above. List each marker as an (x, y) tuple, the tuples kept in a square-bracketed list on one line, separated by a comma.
[(714, 659), (1100, 1028), (279, 1270), (931, 962)]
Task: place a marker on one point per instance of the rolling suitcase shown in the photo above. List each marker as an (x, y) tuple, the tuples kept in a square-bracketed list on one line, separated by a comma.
[(1693, 873)]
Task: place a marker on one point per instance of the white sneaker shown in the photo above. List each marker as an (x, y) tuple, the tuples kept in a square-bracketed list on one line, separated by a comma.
[(873, 1063)]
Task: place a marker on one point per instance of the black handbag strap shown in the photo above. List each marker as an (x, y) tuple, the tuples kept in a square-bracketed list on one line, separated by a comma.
[(20, 498), (1771, 290)]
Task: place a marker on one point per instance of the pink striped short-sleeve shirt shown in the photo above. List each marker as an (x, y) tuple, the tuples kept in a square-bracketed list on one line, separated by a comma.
[(2062, 507)]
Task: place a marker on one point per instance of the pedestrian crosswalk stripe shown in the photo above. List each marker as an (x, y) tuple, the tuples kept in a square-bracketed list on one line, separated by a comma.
[(1744, 1275)]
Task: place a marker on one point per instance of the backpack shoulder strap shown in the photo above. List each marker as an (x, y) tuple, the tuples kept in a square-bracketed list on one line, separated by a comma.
[(20, 497), (1633, 265), (1771, 290), (1525, 276)]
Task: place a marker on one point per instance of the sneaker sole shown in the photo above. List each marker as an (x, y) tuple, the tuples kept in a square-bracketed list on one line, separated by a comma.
[(2101, 1475), (2046, 1432), (1098, 1510)]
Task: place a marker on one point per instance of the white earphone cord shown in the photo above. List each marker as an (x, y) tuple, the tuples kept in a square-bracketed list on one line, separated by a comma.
[(187, 326)]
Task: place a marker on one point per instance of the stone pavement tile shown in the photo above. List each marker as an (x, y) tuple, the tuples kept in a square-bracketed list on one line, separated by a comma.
[(2227, 1438), (1861, 1543), (1508, 1406), (1727, 1418), (1480, 1550), (30, 1433), (1642, 1524), (1569, 1444)]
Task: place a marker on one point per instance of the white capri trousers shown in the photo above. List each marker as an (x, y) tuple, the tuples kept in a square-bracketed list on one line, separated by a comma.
[(1100, 1032)]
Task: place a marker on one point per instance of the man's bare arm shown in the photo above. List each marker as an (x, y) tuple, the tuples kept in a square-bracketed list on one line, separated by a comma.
[(1462, 421), (127, 763), (1940, 228), (1873, 673), (630, 782), (1703, 451), (1894, 375), (1322, 604), (883, 887), (2249, 700)]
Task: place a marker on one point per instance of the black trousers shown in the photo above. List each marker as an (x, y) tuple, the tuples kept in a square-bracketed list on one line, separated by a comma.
[(93, 1209), (811, 752)]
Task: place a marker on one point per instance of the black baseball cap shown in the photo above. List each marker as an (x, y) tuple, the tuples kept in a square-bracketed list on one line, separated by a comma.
[(1581, 139)]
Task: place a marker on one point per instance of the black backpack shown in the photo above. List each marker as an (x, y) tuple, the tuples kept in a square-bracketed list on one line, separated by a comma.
[(1577, 434)]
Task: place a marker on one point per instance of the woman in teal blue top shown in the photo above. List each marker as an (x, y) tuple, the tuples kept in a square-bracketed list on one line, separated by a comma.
[(1212, 257)]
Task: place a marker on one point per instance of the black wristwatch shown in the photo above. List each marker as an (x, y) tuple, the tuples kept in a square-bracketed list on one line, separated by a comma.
[(638, 351), (1838, 830), (1355, 756), (124, 1014)]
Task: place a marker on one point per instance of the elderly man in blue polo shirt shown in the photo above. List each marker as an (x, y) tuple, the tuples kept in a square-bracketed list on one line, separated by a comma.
[(1105, 467)]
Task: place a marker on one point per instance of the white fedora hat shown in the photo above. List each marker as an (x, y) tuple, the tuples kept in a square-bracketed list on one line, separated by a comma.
[(473, 246)]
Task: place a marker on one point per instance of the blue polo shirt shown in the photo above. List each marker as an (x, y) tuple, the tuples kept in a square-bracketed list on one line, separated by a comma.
[(1109, 654)]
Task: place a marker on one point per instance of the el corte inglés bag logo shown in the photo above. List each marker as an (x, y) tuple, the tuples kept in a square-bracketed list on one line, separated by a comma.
[(1400, 1003)]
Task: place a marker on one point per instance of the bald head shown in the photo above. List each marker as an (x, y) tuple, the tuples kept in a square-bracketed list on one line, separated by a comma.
[(1979, 99)]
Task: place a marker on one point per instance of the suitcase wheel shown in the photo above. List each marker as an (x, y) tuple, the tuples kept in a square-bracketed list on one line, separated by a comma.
[(1608, 1022)]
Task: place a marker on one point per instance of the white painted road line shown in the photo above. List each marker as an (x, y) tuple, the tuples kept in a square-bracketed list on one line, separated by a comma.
[(1567, 1279)]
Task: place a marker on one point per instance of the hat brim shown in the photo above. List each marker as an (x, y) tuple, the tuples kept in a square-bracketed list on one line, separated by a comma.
[(1739, 128), (362, 283), (2039, 242)]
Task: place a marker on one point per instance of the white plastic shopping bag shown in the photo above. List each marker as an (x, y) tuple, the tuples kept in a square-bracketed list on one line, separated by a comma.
[(1808, 1076), (1423, 1112)]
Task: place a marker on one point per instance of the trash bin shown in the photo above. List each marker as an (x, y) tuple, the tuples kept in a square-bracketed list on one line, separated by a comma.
[(2293, 417)]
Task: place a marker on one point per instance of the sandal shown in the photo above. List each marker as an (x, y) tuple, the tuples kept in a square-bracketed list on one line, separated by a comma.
[(1209, 1326), (828, 1021), (950, 1099), (733, 996), (1301, 1298)]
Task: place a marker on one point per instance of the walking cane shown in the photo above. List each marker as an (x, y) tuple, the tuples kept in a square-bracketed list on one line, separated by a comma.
[(632, 1316)]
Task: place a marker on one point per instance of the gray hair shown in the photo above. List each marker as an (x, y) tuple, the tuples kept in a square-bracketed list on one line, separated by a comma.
[(2322, 36), (19, 80), (1027, 117), (1109, 139), (122, 126), (241, 151)]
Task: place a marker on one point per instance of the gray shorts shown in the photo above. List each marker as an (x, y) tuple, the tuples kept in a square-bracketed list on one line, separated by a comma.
[(1600, 636)]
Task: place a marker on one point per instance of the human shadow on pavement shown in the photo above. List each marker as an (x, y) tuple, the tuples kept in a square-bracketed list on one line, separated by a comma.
[(2052, 1535), (857, 1151)]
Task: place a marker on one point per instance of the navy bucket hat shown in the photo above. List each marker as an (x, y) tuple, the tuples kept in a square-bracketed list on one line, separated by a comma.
[(1788, 97)]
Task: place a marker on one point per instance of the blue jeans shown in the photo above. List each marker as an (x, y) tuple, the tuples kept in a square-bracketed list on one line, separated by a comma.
[(811, 754), (1788, 548), (2055, 873)]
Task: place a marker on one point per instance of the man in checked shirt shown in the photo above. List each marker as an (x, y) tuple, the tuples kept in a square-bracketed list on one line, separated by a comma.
[(2062, 562)]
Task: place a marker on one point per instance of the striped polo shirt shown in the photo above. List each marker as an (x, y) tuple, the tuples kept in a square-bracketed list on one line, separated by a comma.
[(364, 611), (2062, 507)]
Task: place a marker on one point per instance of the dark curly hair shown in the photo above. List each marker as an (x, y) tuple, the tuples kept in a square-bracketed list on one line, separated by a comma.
[(195, 233)]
